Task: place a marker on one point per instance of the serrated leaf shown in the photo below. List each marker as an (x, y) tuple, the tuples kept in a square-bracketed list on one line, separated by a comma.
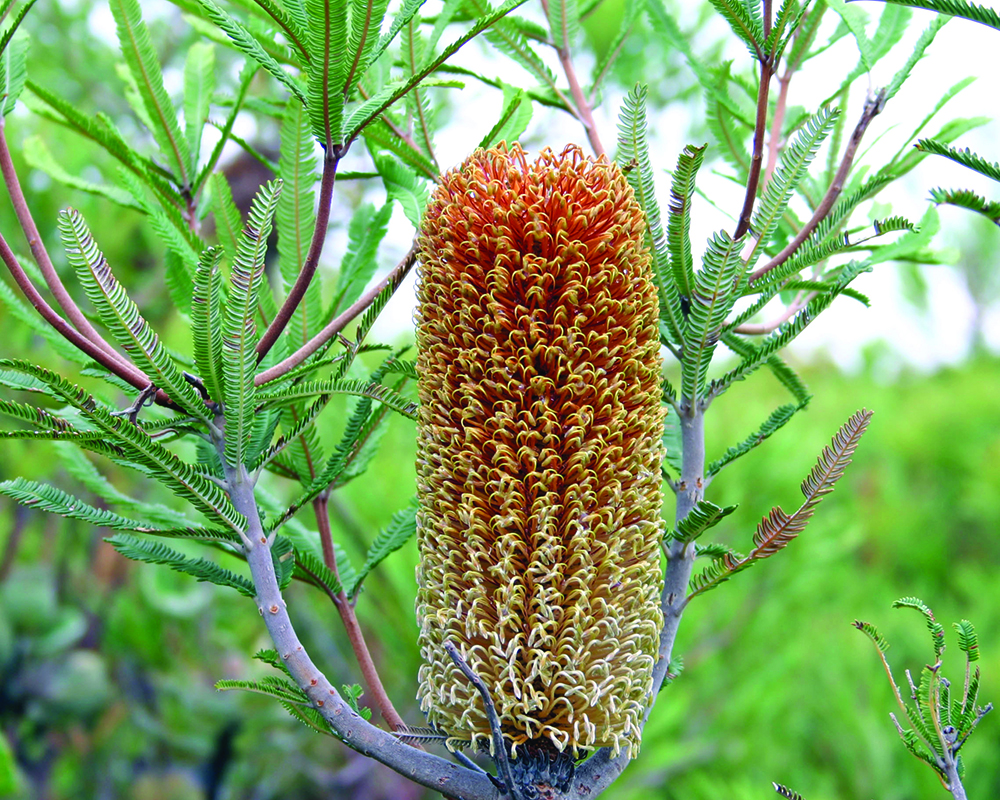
[(778, 528), (401, 528), (327, 43), (137, 48), (206, 323), (121, 315), (359, 388), (13, 68), (239, 335), (245, 42), (164, 465), (295, 218), (679, 219), (199, 84), (514, 118), (713, 297), (199, 568), (702, 517), (365, 233), (633, 157)]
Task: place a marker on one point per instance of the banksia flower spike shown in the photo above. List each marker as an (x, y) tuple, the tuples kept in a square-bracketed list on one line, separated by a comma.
[(539, 446)]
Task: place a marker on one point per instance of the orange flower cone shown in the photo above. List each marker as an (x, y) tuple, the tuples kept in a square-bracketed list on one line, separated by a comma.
[(539, 447)]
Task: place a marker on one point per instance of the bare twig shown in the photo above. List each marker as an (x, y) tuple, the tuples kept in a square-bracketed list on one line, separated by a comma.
[(499, 745), (354, 634), (774, 139), (399, 272), (584, 112), (872, 109), (760, 125), (764, 328), (297, 292)]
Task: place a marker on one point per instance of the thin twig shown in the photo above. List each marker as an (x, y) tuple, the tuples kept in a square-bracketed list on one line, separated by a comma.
[(350, 620), (41, 255), (584, 112), (499, 746), (297, 292), (872, 109), (774, 140), (764, 328), (399, 272), (757, 159)]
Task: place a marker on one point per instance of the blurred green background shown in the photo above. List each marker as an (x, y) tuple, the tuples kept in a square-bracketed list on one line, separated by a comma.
[(107, 668)]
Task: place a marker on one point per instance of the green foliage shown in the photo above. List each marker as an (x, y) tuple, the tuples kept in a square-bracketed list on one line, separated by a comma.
[(336, 72), (941, 724), (239, 328)]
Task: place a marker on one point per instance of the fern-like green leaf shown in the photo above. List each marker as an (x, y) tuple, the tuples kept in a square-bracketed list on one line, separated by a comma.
[(239, 337), (327, 43), (199, 83), (199, 568), (775, 422), (55, 501), (965, 157), (743, 22), (375, 107), (121, 315), (872, 633), (968, 642), (984, 15), (13, 66), (935, 628), (679, 221), (964, 198), (778, 528), (795, 161), (375, 391), (162, 464), (564, 22), (294, 218), (404, 185), (206, 323), (137, 48), (633, 157), (715, 291), (247, 44), (36, 152), (401, 528), (366, 22), (702, 517)]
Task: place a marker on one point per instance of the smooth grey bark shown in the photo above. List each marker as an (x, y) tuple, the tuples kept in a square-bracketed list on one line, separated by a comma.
[(424, 768)]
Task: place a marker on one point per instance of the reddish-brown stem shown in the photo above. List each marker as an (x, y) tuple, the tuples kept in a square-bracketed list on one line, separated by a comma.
[(584, 112), (350, 620), (774, 140), (872, 108), (582, 104), (764, 328), (342, 320), (298, 290), (41, 255), (758, 150)]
